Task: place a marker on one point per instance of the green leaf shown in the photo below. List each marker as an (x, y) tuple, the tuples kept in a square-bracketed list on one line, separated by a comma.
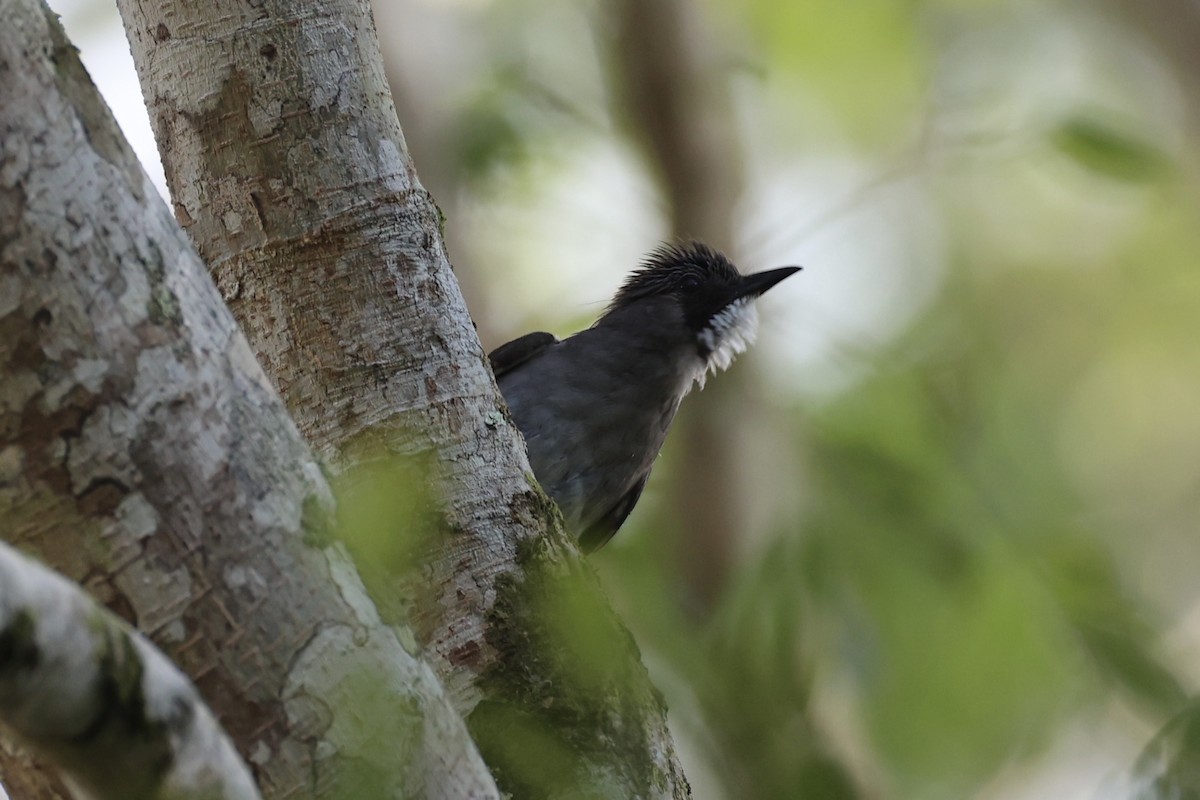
[(1110, 148), (1169, 767)]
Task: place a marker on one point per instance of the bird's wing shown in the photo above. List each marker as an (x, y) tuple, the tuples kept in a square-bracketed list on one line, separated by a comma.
[(600, 531), (508, 357)]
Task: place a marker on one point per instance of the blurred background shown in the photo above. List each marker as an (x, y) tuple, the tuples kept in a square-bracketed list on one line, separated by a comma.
[(936, 536)]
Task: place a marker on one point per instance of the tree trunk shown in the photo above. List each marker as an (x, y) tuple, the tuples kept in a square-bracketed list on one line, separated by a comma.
[(144, 454), (160, 439)]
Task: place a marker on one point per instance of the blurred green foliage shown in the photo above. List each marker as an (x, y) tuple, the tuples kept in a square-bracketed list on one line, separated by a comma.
[(567, 690), (387, 515), (982, 547), (1168, 767), (863, 60), (1107, 148)]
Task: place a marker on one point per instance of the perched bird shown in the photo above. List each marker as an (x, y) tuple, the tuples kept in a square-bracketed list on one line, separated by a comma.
[(595, 407)]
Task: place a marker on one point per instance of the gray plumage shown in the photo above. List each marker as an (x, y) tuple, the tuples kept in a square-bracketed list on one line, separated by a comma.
[(595, 408)]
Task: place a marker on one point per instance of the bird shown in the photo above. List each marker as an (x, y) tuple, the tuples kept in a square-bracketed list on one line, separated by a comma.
[(594, 408)]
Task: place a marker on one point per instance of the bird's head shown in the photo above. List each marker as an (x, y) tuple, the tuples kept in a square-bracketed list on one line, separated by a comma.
[(715, 299)]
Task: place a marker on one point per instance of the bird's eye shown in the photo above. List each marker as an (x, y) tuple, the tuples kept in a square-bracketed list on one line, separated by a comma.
[(689, 283)]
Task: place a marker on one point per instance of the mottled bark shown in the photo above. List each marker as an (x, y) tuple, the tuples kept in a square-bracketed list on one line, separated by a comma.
[(109, 708), (145, 455), (414, 52), (289, 171)]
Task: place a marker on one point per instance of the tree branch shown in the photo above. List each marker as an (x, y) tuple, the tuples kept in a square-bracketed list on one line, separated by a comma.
[(101, 701)]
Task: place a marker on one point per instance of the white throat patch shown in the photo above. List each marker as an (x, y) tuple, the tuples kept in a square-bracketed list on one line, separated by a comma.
[(728, 333)]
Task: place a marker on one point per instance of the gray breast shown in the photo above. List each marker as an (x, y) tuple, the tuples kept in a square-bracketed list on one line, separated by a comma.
[(595, 409)]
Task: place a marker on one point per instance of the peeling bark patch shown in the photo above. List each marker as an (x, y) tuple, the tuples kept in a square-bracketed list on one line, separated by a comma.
[(465, 655), (238, 114), (39, 432), (257, 201), (102, 497)]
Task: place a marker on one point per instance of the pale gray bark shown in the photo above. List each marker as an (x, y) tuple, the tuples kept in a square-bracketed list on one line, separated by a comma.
[(145, 455), (289, 171), (77, 684)]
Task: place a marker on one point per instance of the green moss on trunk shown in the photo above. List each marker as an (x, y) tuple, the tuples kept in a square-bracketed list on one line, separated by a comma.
[(568, 697)]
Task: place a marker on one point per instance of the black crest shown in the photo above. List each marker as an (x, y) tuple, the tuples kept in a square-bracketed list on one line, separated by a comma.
[(702, 278)]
